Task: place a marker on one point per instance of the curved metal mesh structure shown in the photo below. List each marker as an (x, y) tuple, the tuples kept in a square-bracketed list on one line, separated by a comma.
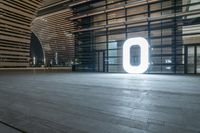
[(55, 35)]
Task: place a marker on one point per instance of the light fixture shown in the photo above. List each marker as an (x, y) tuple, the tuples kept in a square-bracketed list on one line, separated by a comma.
[(144, 57), (34, 60)]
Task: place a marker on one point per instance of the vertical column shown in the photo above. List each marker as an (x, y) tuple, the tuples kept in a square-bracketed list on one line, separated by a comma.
[(107, 40), (126, 19), (149, 32), (161, 24), (195, 59), (174, 43), (185, 59)]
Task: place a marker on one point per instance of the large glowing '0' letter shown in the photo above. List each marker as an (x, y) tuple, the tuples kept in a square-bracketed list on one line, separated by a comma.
[(144, 59)]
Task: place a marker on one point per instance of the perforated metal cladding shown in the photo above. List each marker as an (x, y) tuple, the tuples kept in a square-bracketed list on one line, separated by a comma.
[(55, 35)]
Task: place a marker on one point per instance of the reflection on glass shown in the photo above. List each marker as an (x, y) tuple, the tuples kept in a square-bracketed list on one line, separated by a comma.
[(135, 55), (198, 59), (112, 46), (190, 66)]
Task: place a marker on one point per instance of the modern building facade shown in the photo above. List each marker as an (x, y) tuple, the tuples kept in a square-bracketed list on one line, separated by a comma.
[(170, 26), (57, 41), (15, 31), (89, 34)]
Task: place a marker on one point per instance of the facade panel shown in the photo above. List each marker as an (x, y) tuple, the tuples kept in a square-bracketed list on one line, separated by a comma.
[(16, 17), (169, 26), (56, 38)]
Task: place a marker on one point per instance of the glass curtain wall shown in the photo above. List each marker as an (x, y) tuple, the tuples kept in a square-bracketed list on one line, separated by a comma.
[(104, 25)]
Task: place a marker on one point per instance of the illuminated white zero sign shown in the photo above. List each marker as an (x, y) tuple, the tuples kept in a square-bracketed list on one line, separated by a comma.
[(144, 59)]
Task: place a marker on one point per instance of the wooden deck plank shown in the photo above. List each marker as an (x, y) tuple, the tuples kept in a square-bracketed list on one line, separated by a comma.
[(100, 103)]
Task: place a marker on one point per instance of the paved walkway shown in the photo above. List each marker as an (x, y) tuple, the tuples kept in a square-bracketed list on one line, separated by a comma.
[(100, 103)]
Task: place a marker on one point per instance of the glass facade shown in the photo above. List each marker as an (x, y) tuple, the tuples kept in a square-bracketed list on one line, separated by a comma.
[(169, 26)]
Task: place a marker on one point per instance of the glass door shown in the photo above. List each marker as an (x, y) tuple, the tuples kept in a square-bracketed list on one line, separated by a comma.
[(192, 62), (100, 64)]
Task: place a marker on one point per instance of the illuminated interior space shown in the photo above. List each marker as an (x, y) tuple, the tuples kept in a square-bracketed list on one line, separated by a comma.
[(89, 35), (99, 66), (168, 25)]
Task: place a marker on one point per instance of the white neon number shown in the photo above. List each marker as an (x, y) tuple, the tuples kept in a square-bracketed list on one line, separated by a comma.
[(144, 59)]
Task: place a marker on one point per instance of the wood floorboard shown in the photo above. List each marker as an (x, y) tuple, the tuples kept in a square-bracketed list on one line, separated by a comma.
[(100, 103)]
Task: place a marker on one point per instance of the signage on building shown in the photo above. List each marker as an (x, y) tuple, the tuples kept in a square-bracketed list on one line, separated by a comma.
[(144, 56)]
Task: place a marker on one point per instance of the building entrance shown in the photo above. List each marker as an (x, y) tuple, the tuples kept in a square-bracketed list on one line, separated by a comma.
[(100, 61), (192, 59)]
